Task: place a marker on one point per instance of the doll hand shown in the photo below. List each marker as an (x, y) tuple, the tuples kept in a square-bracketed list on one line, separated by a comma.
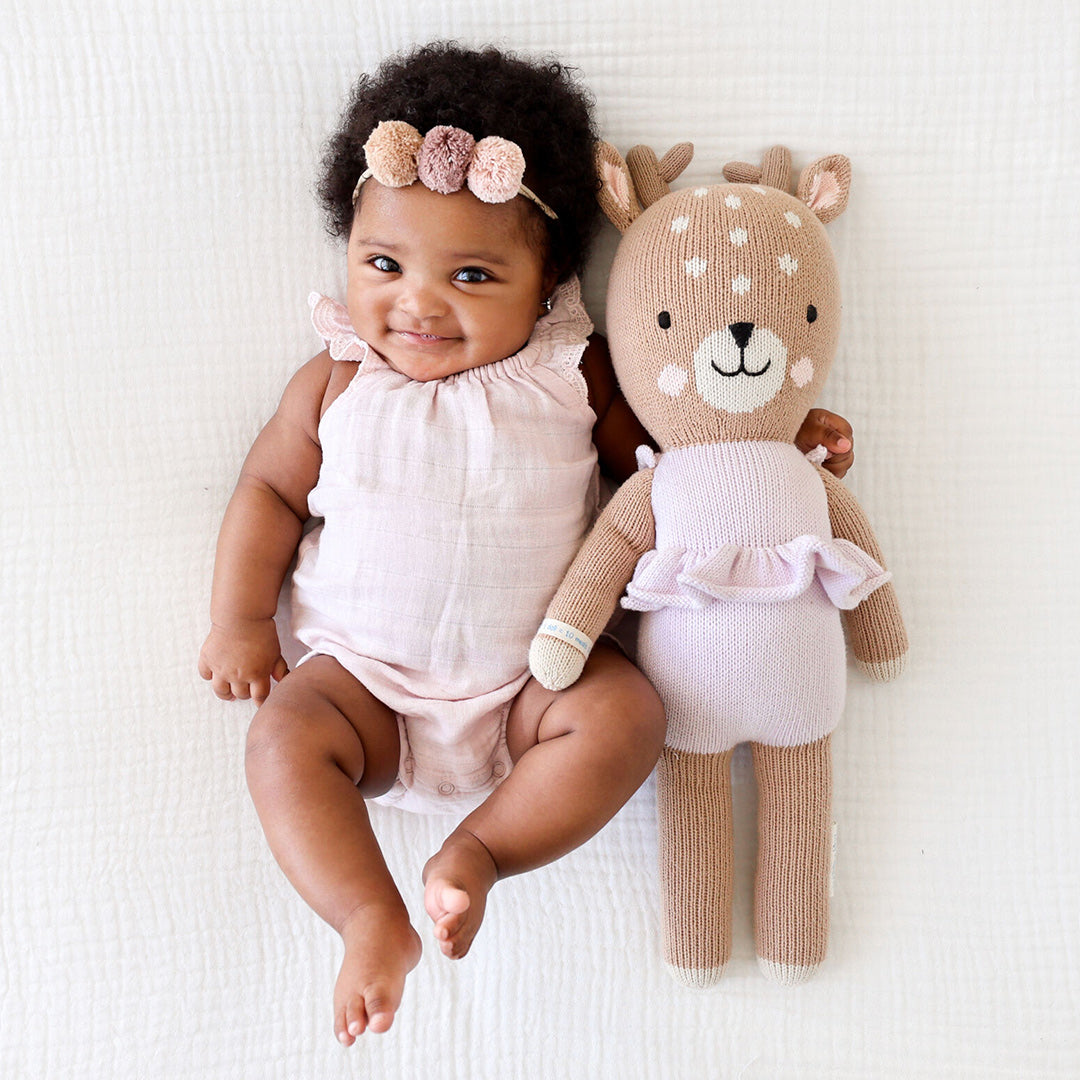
[(821, 428), (555, 664), (883, 670), (240, 659)]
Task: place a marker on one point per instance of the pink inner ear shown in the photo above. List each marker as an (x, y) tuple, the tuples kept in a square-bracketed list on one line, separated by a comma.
[(615, 182), (824, 191)]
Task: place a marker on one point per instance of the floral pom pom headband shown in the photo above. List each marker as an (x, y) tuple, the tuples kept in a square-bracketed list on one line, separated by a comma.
[(445, 160)]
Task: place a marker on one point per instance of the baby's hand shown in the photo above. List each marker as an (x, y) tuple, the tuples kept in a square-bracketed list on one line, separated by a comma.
[(821, 428), (241, 658)]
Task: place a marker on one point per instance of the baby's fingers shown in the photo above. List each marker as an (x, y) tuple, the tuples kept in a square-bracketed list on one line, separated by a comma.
[(222, 688)]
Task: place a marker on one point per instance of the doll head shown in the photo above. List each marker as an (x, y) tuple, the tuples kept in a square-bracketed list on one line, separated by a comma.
[(723, 302), (483, 94)]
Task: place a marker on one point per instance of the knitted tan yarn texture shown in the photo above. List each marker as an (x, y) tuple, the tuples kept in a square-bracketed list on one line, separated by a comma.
[(731, 254), (791, 892), (604, 563), (875, 628), (696, 863)]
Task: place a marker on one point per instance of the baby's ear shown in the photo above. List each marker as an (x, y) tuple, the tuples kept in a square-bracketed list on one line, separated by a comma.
[(825, 185), (617, 197)]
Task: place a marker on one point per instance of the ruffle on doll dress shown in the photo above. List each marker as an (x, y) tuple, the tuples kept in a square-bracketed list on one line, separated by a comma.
[(680, 577)]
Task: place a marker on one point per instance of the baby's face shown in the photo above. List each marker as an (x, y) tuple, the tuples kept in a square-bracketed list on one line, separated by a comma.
[(442, 283)]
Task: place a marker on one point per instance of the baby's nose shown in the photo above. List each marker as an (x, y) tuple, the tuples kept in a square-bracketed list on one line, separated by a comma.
[(422, 299)]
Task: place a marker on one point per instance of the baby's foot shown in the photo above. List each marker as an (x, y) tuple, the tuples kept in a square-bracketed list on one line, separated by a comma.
[(381, 948), (456, 884)]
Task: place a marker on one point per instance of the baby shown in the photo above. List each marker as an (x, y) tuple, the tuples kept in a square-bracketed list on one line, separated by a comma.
[(446, 445)]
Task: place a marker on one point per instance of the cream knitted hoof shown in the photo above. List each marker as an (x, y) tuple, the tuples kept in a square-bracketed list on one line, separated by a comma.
[(696, 978), (786, 974)]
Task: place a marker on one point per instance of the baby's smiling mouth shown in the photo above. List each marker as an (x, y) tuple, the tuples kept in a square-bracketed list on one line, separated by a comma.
[(421, 338)]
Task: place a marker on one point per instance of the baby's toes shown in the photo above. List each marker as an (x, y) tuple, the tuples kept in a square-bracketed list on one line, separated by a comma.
[(349, 1021), (380, 1008)]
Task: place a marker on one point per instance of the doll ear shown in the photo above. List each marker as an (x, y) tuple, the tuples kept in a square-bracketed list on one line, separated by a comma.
[(824, 186), (617, 197)]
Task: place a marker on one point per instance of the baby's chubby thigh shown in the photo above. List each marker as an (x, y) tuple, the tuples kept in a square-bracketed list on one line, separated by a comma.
[(612, 703), (321, 712)]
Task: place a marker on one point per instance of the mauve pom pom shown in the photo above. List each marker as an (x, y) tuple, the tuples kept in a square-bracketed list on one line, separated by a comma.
[(444, 159), (497, 168), (391, 152)]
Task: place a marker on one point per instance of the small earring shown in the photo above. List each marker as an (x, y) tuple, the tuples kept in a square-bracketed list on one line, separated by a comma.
[(546, 305)]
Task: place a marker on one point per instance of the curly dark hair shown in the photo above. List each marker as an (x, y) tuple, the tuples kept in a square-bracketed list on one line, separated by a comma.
[(536, 103)]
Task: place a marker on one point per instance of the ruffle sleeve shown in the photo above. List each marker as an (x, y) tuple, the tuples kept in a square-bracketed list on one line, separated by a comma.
[(681, 577), (331, 322)]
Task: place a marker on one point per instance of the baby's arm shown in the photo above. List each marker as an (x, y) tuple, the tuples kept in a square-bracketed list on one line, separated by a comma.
[(259, 536), (618, 432)]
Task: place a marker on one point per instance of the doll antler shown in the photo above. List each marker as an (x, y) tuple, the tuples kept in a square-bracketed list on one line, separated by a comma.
[(775, 170), (652, 176)]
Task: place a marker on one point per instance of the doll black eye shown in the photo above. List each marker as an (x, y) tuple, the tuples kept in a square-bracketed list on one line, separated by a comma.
[(664, 319), (811, 313)]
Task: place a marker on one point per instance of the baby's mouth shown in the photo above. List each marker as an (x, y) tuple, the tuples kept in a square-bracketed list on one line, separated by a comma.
[(417, 337)]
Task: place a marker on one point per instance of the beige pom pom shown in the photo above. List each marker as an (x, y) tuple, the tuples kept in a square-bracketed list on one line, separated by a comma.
[(391, 152)]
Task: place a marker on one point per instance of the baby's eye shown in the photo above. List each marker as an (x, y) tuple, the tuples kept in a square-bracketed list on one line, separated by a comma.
[(472, 275), (664, 319), (811, 313), (385, 264)]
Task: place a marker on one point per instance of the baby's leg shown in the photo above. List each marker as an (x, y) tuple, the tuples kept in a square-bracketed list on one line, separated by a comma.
[(316, 748), (579, 754)]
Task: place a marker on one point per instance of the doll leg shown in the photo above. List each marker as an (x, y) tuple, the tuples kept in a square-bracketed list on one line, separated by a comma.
[(316, 748), (693, 795), (578, 754), (791, 891)]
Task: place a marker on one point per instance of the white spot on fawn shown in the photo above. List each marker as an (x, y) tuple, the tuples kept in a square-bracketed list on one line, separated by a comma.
[(788, 264), (759, 190), (793, 219), (739, 237), (802, 371), (733, 201), (740, 285), (680, 224), (696, 266), (672, 380), (701, 192)]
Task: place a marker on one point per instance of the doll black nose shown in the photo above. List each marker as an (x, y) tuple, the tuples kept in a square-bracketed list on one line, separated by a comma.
[(741, 332)]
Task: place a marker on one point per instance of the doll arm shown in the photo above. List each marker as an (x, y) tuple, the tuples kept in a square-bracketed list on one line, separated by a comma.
[(259, 536), (593, 584), (876, 627)]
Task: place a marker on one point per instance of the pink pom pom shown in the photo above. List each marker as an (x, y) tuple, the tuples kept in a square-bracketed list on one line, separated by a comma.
[(497, 168), (391, 152), (444, 159)]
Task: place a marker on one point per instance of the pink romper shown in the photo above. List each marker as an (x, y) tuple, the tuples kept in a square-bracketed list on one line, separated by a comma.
[(742, 636), (450, 512)]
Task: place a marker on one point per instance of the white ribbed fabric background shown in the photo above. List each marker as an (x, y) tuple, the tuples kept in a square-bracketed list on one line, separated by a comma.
[(158, 240)]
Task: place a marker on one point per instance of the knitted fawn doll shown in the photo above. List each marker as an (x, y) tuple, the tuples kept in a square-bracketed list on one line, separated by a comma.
[(723, 315)]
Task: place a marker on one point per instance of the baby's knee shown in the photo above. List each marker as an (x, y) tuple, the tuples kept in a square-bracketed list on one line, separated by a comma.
[(275, 737)]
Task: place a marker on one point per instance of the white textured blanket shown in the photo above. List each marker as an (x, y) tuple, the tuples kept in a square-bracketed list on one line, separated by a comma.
[(158, 238)]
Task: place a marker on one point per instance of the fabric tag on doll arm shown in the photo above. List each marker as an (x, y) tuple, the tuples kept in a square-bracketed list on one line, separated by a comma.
[(566, 632)]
